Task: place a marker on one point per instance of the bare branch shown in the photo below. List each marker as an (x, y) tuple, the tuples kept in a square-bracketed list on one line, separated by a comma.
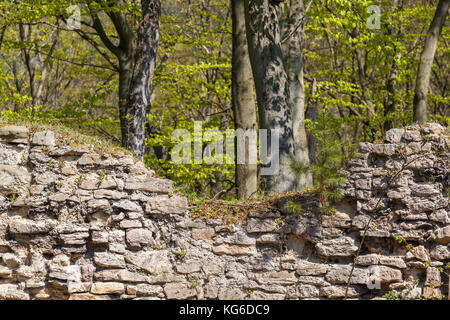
[(96, 46)]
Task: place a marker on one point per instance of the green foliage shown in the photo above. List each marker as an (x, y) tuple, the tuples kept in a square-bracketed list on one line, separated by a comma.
[(394, 295), (66, 135), (404, 295), (334, 150), (193, 284), (48, 74), (364, 77), (193, 83), (295, 207), (13, 197), (193, 178), (181, 254), (399, 239), (362, 71)]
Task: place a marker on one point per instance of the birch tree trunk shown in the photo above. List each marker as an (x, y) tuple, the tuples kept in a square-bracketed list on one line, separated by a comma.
[(139, 93), (242, 100), (426, 61)]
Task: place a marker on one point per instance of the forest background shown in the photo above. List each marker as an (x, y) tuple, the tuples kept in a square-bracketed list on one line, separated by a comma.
[(352, 65)]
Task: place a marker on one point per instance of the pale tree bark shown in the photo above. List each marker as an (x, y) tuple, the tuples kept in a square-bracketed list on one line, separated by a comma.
[(272, 89), (391, 85), (426, 61), (139, 94), (292, 41), (242, 100), (276, 59), (312, 114)]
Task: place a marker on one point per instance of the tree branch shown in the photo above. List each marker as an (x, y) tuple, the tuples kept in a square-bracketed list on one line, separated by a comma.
[(97, 25), (123, 30), (93, 43)]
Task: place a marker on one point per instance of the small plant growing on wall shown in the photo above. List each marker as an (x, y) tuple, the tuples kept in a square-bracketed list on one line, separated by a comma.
[(295, 207), (333, 151), (13, 197), (181, 254)]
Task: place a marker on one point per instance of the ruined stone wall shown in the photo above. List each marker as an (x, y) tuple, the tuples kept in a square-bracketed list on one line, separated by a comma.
[(75, 224)]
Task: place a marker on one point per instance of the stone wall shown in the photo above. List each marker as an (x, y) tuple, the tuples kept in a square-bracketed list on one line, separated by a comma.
[(75, 224)]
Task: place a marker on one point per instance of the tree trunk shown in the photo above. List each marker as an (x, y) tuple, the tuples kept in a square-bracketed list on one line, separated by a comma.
[(426, 61), (27, 59), (391, 88), (146, 52), (313, 115), (125, 53), (242, 100), (125, 74), (293, 53), (272, 89), (391, 85), (2, 34)]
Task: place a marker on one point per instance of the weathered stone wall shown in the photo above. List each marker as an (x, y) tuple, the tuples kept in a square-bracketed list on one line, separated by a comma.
[(75, 224)]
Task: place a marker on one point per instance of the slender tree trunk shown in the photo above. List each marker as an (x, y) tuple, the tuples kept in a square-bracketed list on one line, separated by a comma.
[(426, 61), (27, 60), (125, 74), (45, 67), (125, 53), (272, 89), (242, 100), (391, 86), (313, 115), (2, 34), (146, 52), (293, 60), (392, 90)]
